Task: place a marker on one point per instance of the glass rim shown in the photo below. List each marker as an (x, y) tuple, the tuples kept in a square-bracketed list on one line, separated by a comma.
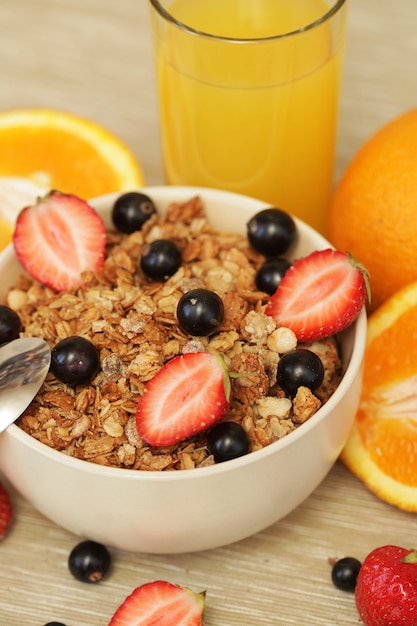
[(193, 31)]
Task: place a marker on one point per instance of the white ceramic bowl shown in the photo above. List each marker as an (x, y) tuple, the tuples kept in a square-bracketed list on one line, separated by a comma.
[(188, 510)]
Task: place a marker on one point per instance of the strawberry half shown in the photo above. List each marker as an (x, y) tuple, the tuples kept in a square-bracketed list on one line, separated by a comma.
[(58, 238), (188, 394), (6, 511), (320, 295), (161, 603)]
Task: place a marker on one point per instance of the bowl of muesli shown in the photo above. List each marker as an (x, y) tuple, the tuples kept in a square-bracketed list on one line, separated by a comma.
[(174, 417)]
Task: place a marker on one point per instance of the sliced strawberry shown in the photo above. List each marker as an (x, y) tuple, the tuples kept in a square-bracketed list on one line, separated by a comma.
[(58, 238), (189, 394), (6, 511), (320, 295), (161, 603)]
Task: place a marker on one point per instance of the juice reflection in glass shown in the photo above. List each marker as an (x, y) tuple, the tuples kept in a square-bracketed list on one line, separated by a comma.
[(248, 96)]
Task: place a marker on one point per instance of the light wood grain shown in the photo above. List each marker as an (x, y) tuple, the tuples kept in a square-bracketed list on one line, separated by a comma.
[(94, 57)]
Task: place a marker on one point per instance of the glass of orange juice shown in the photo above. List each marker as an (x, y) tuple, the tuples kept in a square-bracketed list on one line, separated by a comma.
[(248, 97)]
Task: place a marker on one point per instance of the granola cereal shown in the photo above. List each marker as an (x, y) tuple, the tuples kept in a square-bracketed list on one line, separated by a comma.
[(132, 322)]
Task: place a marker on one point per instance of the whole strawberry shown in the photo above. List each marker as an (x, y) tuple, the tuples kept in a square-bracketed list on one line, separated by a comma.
[(6, 510), (386, 588)]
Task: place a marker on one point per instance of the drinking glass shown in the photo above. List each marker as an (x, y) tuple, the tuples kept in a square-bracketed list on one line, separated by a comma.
[(249, 97)]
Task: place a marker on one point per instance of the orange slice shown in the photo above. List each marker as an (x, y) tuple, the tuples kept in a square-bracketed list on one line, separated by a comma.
[(382, 447), (51, 149)]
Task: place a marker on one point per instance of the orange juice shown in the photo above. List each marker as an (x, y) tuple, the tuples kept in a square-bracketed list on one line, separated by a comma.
[(244, 110)]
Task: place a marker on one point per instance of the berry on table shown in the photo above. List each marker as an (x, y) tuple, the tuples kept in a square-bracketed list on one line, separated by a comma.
[(161, 602), (54, 624), (226, 441), (270, 274), (89, 561), (386, 589), (131, 210), (300, 368), (10, 324), (271, 231), (200, 312), (75, 361), (345, 573), (160, 259), (58, 238)]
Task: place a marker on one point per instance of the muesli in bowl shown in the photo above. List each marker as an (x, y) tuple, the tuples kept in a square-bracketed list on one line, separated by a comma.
[(149, 346)]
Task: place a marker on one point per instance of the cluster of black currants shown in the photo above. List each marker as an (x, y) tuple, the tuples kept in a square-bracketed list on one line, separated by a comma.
[(161, 258), (271, 232)]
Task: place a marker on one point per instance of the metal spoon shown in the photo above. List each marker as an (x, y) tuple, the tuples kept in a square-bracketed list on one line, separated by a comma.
[(24, 364)]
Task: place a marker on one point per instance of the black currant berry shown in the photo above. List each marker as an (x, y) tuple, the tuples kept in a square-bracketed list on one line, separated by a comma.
[(271, 231), (75, 361), (300, 368), (270, 274), (10, 324), (131, 211), (226, 441), (200, 312), (160, 259), (54, 624), (89, 561), (345, 573)]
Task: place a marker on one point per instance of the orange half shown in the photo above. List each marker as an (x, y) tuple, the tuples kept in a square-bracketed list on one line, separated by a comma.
[(65, 151), (59, 150), (382, 447)]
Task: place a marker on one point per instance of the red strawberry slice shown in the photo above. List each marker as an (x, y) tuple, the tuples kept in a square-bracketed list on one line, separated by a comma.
[(161, 603), (189, 394), (58, 238), (320, 295), (6, 511)]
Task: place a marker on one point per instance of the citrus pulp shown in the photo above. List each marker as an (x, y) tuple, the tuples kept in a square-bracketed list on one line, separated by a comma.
[(382, 447)]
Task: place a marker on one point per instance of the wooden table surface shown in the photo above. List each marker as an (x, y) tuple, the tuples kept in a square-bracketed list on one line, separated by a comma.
[(94, 57)]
